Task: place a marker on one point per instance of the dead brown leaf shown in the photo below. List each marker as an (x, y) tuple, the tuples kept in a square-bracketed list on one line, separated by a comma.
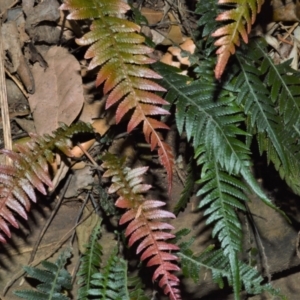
[(59, 92), (153, 16)]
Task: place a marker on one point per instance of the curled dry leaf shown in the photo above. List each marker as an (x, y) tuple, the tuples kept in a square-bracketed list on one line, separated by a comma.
[(59, 93)]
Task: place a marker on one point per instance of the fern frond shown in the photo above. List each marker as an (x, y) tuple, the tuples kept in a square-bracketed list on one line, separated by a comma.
[(208, 11), (241, 19), (254, 97), (111, 282), (222, 195), (283, 87), (136, 289), (119, 50), (54, 278), (214, 126), (219, 265), (143, 216), (214, 123), (90, 263), (30, 171)]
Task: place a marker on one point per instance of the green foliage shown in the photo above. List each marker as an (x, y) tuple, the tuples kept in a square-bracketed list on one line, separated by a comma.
[(212, 114), (276, 114), (89, 264), (54, 277), (111, 283), (219, 264)]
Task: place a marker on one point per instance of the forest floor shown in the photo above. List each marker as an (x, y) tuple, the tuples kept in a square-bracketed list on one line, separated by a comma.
[(38, 52)]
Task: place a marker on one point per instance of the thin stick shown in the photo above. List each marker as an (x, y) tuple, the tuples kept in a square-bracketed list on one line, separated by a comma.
[(17, 82), (60, 198), (3, 103)]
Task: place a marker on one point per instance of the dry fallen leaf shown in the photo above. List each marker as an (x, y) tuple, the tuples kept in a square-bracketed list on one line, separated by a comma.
[(174, 35), (59, 92), (153, 16)]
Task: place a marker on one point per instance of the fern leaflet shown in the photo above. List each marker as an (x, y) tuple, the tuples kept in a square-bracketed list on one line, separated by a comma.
[(90, 263), (54, 278), (111, 282)]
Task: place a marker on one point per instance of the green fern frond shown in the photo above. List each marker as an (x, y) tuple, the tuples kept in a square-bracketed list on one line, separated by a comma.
[(254, 96), (222, 194), (136, 288), (214, 123), (111, 282), (219, 265), (241, 19), (282, 83), (30, 171), (90, 264), (212, 119), (208, 11), (206, 120), (55, 278)]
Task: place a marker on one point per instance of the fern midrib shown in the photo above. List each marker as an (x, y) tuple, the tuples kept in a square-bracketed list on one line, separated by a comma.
[(53, 283)]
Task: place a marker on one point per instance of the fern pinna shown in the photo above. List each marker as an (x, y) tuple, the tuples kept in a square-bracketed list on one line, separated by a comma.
[(54, 277), (30, 171), (143, 226), (118, 49), (241, 19)]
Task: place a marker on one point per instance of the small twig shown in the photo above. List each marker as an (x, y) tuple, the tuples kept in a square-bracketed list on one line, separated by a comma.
[(3, 103), (79, 216), (88, 155), (260, 245), (17, 82), (60, 198), (289, 32), (280, 38), (10, 6)]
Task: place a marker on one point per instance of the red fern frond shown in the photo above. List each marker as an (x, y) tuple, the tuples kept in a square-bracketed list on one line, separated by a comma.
[(144, 226), (117, 47), (30, 172), (243, 16)]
